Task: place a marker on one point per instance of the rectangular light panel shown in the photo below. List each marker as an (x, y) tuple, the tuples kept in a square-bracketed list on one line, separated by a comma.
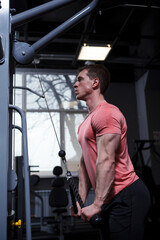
[(98, 53)]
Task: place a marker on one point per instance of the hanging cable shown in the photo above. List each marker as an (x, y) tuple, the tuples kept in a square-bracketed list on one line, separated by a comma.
[(49, 112), (96, 220)]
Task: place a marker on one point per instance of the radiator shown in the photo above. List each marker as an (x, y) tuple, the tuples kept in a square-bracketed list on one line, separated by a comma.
[(47, 210)]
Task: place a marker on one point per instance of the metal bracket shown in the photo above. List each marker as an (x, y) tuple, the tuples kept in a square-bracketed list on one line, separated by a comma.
[(24, 53)]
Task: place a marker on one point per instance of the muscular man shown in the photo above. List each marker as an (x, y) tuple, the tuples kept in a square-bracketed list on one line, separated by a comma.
[(120, 196)]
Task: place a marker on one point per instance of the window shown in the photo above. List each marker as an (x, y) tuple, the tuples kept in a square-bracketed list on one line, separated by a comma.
[(60, 105)]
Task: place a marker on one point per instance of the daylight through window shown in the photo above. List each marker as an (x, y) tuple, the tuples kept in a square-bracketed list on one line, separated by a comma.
[(66, 112)]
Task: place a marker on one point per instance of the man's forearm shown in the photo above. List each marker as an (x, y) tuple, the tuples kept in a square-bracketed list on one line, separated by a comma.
[(84, 182), (107, 146), (105, 173)]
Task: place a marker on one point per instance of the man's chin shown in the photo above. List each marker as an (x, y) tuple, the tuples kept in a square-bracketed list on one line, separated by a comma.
[(79, 98)]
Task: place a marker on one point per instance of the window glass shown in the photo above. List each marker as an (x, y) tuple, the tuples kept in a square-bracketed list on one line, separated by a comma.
[(17, 94), (58, 90), (42, 145), (73, 150)]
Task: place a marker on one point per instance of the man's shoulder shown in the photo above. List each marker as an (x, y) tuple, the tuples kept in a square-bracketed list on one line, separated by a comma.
[(107, 113), (108, 108)]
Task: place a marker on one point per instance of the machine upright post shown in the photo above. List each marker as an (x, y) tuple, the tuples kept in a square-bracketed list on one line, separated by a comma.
[(4, 101)]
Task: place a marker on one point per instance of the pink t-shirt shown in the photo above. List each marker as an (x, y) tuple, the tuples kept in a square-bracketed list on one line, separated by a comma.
[(106, 118)]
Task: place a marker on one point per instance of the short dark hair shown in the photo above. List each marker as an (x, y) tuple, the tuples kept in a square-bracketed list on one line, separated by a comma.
[(99, 71)]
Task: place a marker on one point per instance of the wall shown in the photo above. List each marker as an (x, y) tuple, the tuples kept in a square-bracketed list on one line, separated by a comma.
[(152, 93), (140, 103), (123, 96)]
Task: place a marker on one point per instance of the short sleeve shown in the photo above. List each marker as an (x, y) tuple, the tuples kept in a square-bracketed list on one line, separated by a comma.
[(107, 120)]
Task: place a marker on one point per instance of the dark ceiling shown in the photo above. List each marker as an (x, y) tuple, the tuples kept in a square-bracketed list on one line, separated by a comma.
[(131, 27)]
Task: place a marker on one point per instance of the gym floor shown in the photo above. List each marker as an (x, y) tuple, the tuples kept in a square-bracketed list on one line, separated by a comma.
[(75, 229)]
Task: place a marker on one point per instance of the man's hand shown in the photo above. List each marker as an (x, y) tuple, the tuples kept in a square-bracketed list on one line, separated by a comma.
[(78, 214), (89, 211)]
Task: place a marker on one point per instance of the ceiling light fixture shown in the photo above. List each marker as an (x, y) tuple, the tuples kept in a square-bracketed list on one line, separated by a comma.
[(94, 52)]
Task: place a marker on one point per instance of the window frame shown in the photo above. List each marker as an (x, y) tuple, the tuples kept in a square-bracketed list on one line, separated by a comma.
[(61, 111)]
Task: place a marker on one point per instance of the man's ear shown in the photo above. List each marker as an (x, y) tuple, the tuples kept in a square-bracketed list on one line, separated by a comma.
[(95, 83)]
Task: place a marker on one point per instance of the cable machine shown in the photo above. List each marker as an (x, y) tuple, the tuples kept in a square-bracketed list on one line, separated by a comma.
[(12, 51)]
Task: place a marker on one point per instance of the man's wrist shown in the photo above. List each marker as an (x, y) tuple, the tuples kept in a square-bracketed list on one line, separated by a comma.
[(98, 202)]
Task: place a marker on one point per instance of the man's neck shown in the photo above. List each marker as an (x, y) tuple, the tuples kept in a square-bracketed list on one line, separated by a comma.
[(94, 101)]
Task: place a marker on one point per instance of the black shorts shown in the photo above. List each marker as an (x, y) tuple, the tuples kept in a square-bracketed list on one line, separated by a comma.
[(124, 218)]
